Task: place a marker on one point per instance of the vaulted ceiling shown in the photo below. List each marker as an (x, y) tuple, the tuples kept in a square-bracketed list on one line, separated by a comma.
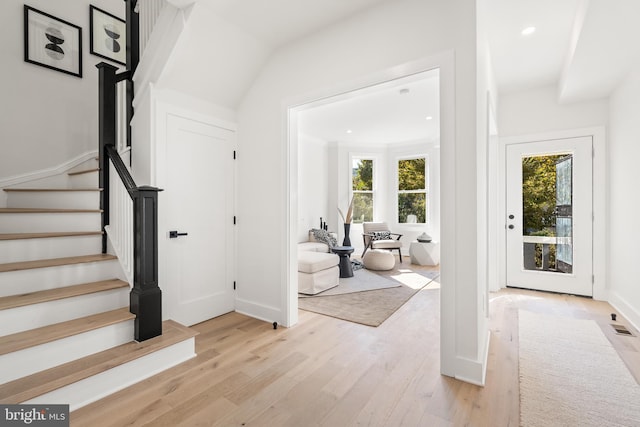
[(584, 47)]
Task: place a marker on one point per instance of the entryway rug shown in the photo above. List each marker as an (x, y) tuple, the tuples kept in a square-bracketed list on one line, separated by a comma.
[(369, 308), (570, 375)]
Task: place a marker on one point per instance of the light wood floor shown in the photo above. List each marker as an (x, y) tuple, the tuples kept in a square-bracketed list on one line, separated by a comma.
[(329, 372)]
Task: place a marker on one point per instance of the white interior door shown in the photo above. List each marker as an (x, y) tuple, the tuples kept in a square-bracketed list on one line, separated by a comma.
[(550, 216), (198, 199)]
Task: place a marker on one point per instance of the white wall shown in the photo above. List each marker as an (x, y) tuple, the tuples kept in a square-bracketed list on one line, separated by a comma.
[(46, 117), (313, 185), (537, 110), (486, 100), (382, 40), (624, 205)]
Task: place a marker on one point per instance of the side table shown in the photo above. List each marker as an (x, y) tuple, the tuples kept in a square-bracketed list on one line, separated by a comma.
[(424, 253), (345, 263)]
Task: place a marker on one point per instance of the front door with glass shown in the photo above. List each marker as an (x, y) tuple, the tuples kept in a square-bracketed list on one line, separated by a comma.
[(549, 215)]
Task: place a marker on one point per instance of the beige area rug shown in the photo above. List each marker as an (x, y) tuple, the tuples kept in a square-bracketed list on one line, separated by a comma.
[(370, 307), (570, 375)]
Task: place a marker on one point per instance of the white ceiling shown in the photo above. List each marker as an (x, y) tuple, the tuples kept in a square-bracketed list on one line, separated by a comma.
[(393, 112), (277, 22), (521, 62), (585, 47)]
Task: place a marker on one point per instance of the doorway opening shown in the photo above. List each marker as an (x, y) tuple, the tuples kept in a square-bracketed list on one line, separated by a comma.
[(378, 146)]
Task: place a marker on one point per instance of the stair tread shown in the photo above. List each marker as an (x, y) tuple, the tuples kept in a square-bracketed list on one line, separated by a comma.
[(84, 171), (45, 334), (26, 388), (47, 210), (54, 262), (14, 190), (20, 236), (38, 297)]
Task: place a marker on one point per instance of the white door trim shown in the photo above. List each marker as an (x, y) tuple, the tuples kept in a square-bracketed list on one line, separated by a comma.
[(600, 241), (450, 363)]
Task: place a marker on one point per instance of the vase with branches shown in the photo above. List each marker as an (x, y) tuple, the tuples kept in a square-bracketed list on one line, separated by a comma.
[(347, 223)]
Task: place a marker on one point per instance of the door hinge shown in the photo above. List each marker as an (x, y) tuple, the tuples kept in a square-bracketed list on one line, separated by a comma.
[(234, 220), (593, 279), (234, 285), (234, 154)]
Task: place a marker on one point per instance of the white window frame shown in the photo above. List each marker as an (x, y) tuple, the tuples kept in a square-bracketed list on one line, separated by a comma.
[(425, 190), (373, 191)]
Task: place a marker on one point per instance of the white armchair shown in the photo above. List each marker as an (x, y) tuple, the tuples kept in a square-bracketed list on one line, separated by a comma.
[(376, 235)]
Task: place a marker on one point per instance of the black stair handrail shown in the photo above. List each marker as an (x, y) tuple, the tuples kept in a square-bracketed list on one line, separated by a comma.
[(145, 298)]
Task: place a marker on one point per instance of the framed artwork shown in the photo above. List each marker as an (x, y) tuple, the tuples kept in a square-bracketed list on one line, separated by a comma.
[(108, 36), (51, 42)]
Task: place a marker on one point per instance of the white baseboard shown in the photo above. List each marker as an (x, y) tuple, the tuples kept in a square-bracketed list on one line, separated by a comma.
[(627, 311), (259, 311), (472, 371)]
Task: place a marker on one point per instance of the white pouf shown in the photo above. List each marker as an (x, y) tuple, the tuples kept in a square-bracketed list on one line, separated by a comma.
[(379, 259)]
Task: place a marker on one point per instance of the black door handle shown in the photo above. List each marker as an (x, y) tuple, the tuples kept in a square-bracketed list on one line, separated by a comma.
[(174, 234)]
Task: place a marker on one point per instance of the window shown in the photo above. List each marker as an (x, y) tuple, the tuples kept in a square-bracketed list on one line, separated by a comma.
[(362, 187), (412, 191)]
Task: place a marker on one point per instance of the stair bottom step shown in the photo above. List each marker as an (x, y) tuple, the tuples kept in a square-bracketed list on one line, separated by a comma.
[(91, 378)]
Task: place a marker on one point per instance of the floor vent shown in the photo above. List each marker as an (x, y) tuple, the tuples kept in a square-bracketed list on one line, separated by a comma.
[(622, 330)]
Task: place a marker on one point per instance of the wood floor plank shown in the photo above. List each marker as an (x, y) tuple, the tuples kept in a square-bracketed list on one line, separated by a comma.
[(329, 372), (34, 337), (49, 190), (39, 297), (46, 210), (82, 172), (20, 236), (55, 262)]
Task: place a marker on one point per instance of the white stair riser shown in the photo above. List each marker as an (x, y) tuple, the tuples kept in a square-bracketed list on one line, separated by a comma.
[(54, 199), (35, 359), (49, 222), (21, 319), (46, 248), (40, 279), (93, 388), (85, 180)]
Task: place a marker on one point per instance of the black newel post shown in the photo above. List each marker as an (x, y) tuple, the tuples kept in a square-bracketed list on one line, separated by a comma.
[(146, 297), (106, 136)]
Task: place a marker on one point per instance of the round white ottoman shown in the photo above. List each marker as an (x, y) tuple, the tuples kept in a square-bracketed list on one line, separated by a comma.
[(379, 259)]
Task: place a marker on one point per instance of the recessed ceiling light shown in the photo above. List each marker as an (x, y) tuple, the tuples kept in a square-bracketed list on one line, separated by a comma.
[(349, 131), (428, 118), (404, 91), (528, 31)]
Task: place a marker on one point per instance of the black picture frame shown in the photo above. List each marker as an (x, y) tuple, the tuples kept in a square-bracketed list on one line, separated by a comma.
[(52, 42), (108, 36)]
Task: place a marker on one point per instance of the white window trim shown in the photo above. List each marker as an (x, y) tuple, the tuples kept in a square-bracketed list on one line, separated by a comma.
[(374, 191), (426, 191)]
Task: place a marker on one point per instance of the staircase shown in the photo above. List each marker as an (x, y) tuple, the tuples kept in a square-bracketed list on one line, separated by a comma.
[(66, 333)]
